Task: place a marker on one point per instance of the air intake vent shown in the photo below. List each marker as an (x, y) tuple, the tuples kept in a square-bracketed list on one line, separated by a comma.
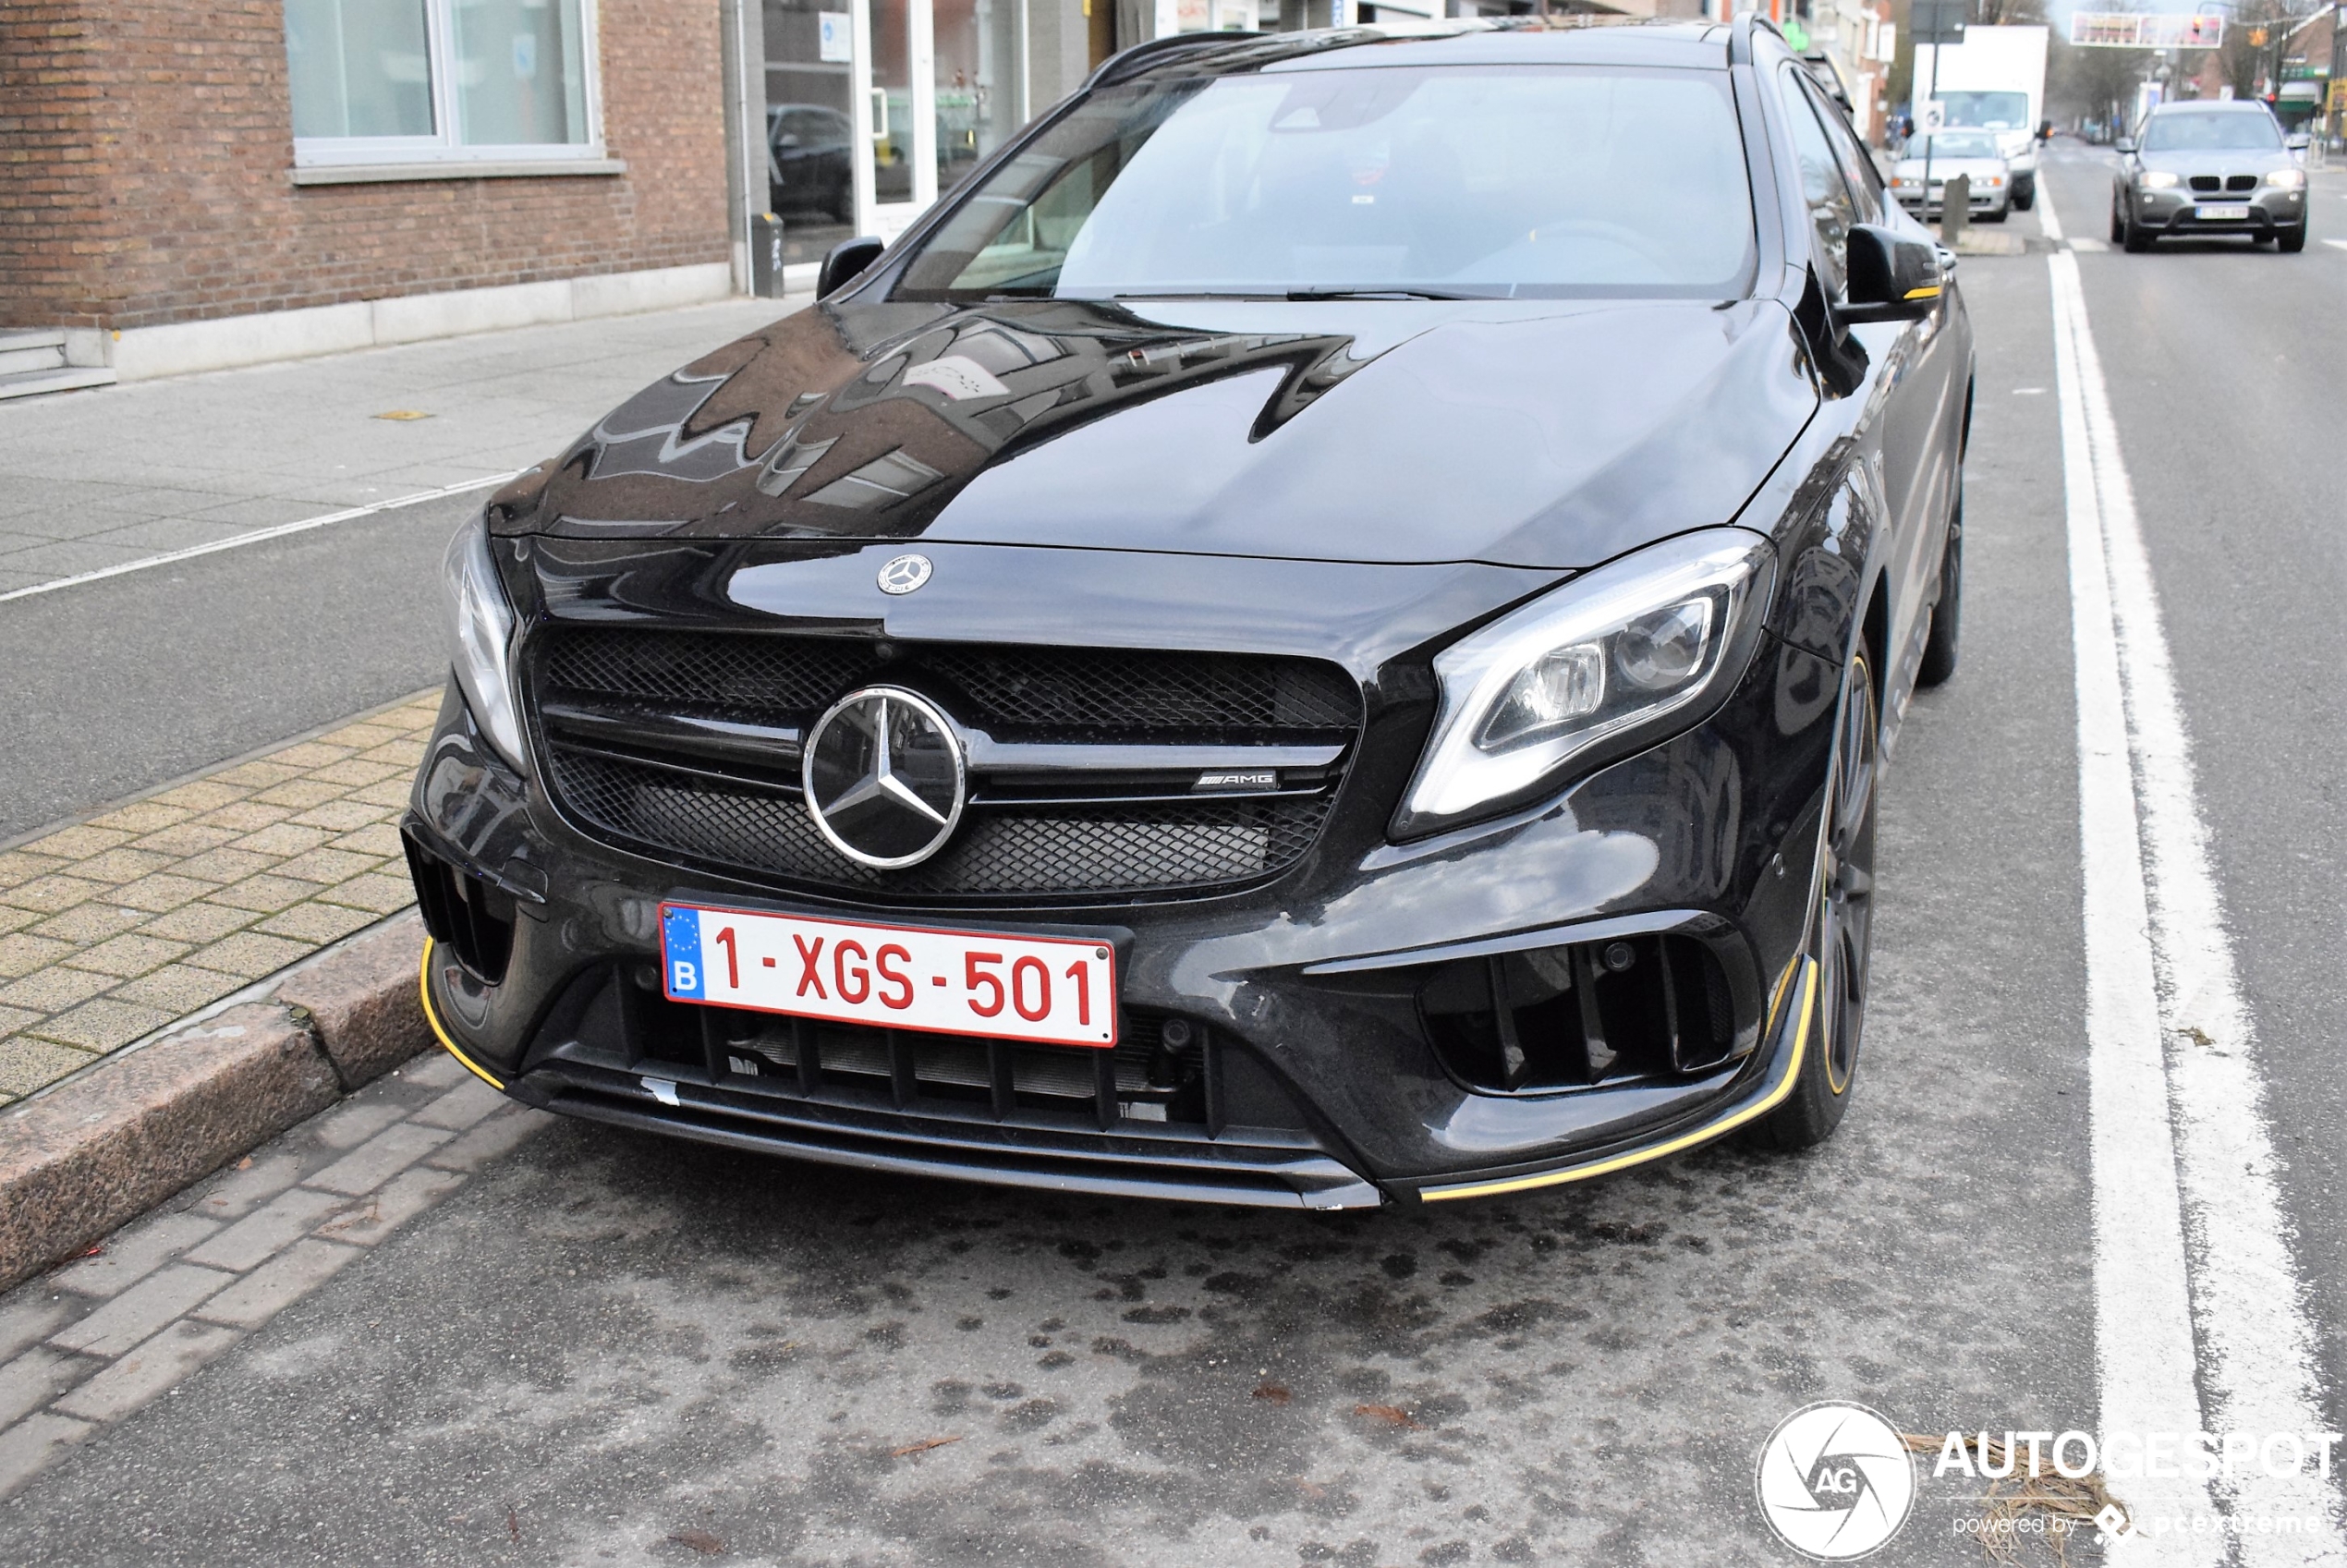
[(464, 914), (1581, 1015)]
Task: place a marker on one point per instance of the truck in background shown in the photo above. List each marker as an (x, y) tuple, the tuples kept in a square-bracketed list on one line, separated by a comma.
[(1994, 80)]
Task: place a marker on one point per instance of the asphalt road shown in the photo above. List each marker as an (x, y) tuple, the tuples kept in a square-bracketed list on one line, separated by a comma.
[(119, 685), (607, 1340)]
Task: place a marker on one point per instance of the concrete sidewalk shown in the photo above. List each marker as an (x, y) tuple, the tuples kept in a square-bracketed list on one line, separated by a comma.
[(92, 479)]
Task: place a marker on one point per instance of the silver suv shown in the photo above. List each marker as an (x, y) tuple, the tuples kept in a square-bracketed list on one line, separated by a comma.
[(2209, 168)]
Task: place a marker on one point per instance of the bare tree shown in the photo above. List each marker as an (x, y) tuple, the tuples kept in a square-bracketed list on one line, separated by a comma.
[(2093, 83), (2254, 42)]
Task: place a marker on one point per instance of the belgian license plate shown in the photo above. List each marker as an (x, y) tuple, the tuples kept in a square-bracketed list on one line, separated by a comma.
[(2225, 212), (1051, 991)]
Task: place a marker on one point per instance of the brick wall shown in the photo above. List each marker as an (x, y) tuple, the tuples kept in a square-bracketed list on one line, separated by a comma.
[(145, 147)]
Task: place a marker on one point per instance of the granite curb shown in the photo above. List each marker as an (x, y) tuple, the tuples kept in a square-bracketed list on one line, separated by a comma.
[(106, 1145)]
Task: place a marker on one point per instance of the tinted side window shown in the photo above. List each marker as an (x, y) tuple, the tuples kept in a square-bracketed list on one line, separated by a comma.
[(1823, 190), (1857, 168)]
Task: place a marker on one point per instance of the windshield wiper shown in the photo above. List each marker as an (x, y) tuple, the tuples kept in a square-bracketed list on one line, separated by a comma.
[(1386, 294), (1307, 295)]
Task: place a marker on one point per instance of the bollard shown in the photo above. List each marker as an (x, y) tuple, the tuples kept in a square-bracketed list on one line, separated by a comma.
[(1955, 209), (766, 256)]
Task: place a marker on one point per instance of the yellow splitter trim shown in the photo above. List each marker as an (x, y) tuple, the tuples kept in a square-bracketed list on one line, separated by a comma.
[(423, 989), (1704, 1134)]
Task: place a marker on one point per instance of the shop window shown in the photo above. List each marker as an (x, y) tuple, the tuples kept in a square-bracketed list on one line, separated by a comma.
[(399, 82)]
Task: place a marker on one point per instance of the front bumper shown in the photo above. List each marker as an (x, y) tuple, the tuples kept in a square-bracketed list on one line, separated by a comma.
[(1982, 202), (2180, 212), (1321, 1078)]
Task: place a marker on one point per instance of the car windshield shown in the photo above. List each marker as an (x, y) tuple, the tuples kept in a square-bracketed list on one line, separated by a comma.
[(1989, 111), (1960, 144), (2218, 132), (1537, 182)]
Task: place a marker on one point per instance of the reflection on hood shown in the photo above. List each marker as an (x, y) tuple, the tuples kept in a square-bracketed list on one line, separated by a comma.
[(1090, 424)]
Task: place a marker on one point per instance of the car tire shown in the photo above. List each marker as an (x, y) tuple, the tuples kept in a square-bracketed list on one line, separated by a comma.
[(2118, 223), (2025, 193), (1947, 616), (1841, 928), (2290, 241), (1999, 215), (2137, 238)]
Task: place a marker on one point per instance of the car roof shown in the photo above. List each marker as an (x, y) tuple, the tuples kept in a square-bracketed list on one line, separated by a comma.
[(1696, 46), (2212, 106)]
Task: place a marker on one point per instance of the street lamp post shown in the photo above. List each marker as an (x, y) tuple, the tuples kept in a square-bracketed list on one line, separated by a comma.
[(1939, 23)]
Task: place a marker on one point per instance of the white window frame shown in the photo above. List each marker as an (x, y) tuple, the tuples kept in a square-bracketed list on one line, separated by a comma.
[(440, 30)]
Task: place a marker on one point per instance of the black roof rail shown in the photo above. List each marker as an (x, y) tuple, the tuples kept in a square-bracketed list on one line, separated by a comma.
[(1148, 49), (1740, 37)]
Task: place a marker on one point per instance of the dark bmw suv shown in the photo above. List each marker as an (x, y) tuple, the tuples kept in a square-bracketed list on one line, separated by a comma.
[(1323, 631)]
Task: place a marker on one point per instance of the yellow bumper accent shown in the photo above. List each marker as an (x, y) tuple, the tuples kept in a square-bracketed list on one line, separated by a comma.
[(1704, 1134), (423, 989)]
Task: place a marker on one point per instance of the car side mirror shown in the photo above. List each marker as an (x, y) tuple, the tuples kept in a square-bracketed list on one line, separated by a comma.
[(1892, 277), (847, 262), (2124, 144), (2298, 142)]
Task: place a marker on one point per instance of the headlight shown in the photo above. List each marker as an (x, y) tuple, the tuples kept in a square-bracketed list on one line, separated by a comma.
[(1597, 667), (2286, 179), (2155, 179), (1908, 181), (480, 629), (1993, 180)]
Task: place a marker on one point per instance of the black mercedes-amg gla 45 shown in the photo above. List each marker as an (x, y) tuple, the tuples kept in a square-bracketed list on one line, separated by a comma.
[(1322, 631)]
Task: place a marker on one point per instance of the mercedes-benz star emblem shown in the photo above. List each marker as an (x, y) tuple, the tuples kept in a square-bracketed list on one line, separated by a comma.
[(904, 573), (884, 776)]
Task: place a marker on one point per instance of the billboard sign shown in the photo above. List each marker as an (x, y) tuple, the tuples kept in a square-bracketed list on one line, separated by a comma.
[(2132, 30)]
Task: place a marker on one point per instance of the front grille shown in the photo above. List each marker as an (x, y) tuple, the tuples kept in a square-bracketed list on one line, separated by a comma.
[(1140, 847), (1012, 692), (627, 718), (2240, 182), (2206, 182)]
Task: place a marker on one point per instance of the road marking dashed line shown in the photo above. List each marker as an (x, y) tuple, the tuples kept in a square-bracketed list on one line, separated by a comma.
[(2181, 1147)]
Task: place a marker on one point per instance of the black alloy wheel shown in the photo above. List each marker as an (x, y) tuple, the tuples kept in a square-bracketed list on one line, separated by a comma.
[(1842, 928)]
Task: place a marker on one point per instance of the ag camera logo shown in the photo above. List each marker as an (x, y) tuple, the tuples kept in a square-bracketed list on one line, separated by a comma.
[(1835, 1482)]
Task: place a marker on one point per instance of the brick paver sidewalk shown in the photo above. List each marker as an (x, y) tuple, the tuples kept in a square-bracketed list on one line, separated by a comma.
[(112, 928)]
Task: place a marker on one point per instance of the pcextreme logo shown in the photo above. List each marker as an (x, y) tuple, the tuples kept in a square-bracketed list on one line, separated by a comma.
[(1835, 1482)]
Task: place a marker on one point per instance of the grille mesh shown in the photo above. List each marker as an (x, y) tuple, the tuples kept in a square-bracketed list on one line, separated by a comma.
[(1106, 849), (1101, 696), (1011, 692)]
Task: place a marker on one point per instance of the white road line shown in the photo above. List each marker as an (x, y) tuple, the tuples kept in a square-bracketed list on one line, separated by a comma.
[(2178, 1096), (256, 537), (2341, 243), (2144, 1351), (2049, 221)]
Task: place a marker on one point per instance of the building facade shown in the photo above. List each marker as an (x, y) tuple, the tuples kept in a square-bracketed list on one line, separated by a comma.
[(170, 165), (191, 187)]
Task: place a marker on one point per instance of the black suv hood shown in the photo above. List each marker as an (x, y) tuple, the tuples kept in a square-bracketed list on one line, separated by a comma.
[(1549, 435)]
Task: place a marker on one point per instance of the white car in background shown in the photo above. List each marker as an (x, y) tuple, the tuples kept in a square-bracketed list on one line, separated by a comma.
[(1973, 154)]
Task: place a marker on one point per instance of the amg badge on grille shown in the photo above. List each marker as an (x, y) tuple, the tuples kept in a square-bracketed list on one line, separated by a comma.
[(885, 777)]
